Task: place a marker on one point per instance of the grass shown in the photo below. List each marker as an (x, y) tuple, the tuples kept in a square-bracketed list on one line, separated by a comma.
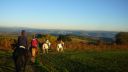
[(89, 61)]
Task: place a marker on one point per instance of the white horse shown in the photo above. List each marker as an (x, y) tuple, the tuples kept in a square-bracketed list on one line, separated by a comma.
[(46, 46), (60, 47)]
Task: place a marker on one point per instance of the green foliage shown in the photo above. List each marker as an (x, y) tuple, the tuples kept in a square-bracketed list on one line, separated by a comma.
[(122, 38)]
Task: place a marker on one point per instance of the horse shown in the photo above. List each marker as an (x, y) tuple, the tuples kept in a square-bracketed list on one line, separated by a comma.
[(21, 57), (45, 47), (59, 47)]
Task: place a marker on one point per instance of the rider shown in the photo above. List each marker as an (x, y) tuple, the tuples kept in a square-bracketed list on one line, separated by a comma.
[(62, 43), (45, 47), (48, 42), (20, 50), (22, 40), (22, 44), (34, 46), (60, 46)]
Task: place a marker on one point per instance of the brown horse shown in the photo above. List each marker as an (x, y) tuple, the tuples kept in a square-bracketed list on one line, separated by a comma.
[(21, 58)]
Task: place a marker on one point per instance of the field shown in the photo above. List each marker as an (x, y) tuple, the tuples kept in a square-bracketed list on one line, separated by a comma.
[(77, 61)]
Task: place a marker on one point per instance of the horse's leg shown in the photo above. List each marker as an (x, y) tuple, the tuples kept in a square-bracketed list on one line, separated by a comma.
[(27, 61), (26, 58), (15, 57), (24, 66), (18, 64), (58, 49), (43, 51), (46, 50), (23, 63), (17, 67), (61, 49)]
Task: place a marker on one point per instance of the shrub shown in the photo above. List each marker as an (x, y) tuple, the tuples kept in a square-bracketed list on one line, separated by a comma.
[(122, 38), (64, 38)]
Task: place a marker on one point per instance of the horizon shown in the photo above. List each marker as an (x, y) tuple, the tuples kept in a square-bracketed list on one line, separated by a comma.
[(94, 15), (28, 28)]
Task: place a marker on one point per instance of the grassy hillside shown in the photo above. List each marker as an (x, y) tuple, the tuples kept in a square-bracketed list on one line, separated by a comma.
[(78, 56), (106, 61)]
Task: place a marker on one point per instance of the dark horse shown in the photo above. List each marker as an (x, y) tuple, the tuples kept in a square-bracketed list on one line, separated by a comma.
[(21, 58)]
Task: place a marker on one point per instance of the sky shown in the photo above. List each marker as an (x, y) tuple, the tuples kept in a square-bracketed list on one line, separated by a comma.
[(107, 15)]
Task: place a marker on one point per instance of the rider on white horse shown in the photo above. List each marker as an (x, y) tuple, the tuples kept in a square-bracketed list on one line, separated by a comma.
[(48, 42), (46, 46), (60, 46)]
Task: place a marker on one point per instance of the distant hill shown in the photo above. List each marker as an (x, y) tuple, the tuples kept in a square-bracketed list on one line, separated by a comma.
[(90, 34)]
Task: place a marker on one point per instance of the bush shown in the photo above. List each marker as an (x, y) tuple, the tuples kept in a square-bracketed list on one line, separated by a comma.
[(63, 38), (122, 38)]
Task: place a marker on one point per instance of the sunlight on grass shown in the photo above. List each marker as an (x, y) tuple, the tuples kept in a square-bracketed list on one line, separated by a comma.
[(107, 61)]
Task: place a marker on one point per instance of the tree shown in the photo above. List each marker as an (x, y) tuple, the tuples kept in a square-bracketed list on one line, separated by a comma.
[(122, 38), (63, 38)]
